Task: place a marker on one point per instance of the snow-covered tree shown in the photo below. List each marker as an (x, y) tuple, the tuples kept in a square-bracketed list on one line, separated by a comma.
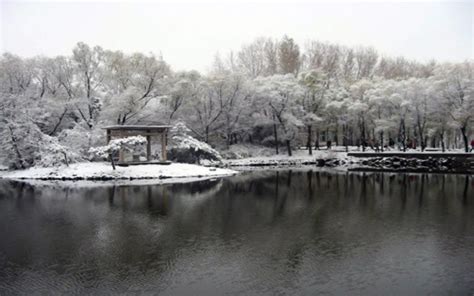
[(132, 83), (55, 105), (89, 63), (279, 94), (288, 56), (183, 88), (359, 108), (456, 83), (185, 148), (313, 102)]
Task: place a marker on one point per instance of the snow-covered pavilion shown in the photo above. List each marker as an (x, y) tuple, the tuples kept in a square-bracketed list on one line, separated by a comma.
[(148, 131)]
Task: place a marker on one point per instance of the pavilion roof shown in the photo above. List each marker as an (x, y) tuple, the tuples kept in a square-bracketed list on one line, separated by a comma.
[(138, 127)]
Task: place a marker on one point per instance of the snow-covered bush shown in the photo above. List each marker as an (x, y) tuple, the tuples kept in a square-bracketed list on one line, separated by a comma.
[(52, 153), (184, 148), (81, 138), (19, 144), (269, 141), (24, 145), (239, 151), (114, 146)]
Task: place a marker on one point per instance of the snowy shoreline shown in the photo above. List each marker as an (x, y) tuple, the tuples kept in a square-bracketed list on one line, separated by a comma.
[(180, 172), (450, 162), (300, 157), (101, 171)]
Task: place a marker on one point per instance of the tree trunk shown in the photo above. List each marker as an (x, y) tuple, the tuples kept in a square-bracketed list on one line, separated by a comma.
[(65, 158), (229, 139), (308, 144), (345, 139), (316, 142), (275, 134), (43, 87), (362, 134), (464, 138), (288, 147), (381, 141), (15, 147), (228, 132), (112, 161), (328, 140), (402, 134), (420, 135), (443, 147), (351, 138), (59, 122)]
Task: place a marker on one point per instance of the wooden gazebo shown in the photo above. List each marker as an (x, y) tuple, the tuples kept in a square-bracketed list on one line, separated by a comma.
[(147, 131)]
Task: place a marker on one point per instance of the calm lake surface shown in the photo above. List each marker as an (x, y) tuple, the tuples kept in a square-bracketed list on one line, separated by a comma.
[(286, 232)]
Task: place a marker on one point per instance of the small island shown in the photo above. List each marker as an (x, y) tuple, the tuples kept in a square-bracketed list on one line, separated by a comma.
[(101, 171)]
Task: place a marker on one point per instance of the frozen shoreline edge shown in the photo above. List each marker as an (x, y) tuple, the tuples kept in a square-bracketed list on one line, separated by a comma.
[(103, 172)]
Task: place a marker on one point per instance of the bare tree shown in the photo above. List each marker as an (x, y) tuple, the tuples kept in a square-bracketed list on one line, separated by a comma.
[(288, 56)]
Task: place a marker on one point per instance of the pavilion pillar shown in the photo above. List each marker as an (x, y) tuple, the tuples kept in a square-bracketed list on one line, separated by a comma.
[(109, 136), (163, 146), (121, 152), (148, 146), (121, 155)]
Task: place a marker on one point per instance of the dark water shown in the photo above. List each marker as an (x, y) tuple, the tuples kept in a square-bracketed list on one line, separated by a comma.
[(273, 233)]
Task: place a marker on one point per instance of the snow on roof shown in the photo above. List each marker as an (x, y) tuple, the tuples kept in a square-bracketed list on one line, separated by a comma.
[(137, 127)]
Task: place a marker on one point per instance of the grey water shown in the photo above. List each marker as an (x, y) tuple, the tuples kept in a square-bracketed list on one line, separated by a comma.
[(300, 232)]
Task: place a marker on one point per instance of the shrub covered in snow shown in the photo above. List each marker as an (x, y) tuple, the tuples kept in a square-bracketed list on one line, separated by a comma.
[(24, 145), (114, 146), (184, 148), (81, 138), (239, 151), (51, 153)]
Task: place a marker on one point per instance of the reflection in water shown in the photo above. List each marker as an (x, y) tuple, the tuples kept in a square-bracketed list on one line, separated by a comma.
[(263, 232), (466, 186)]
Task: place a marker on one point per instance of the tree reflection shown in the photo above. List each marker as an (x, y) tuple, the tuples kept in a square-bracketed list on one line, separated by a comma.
[(255, 220), (465, 190), (422, 187), (404, 189), (309, 178)]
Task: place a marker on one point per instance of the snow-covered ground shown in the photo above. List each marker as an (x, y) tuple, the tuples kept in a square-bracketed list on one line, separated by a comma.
[(299, 157), (254, 156), (179, 172), (104, 171), (240, 151), (413, 151)]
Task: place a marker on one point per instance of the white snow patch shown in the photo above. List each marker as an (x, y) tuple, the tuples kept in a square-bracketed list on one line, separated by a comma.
[(102, 170), (299, 157)]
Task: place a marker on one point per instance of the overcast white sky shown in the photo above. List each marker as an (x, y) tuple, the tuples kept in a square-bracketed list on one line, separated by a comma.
[(189, 34)]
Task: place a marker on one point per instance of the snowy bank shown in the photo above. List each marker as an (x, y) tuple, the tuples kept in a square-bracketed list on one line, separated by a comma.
[(299, 157), (103, 171), (110, 183), (390, 161)]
